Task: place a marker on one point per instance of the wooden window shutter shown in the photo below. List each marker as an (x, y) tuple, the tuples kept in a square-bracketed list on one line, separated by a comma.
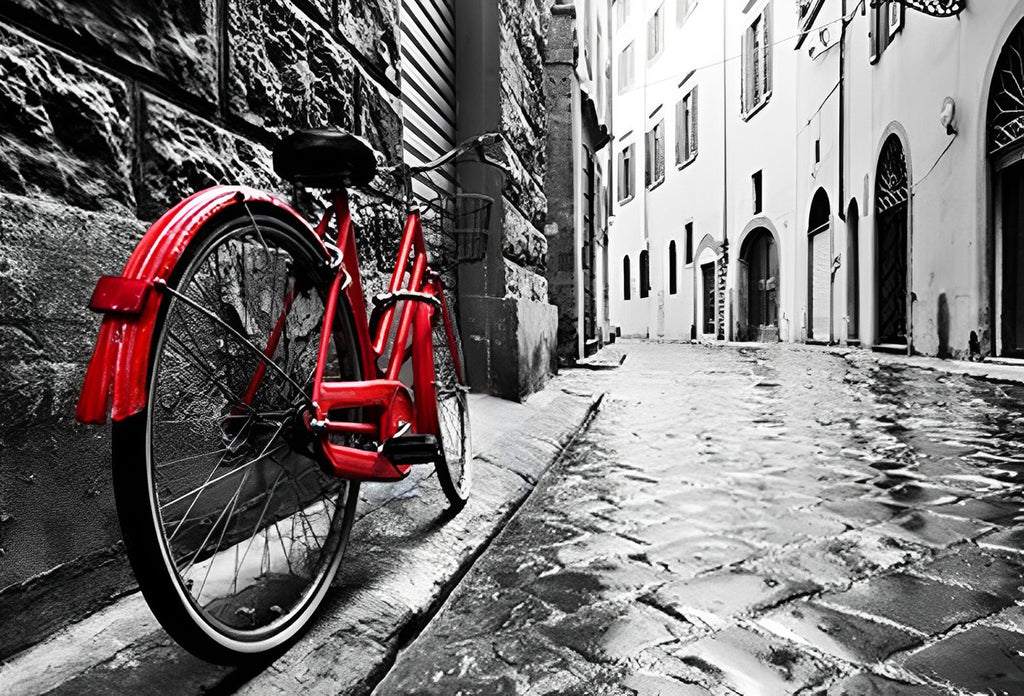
[(744, 68), (766, 46), (631, 174), (659, 151), (693, 123), (681, 130), (647, 159), (618, 189)]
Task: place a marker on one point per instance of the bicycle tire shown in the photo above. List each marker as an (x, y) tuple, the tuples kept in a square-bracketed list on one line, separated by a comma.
[(454, 466), (198, 484)]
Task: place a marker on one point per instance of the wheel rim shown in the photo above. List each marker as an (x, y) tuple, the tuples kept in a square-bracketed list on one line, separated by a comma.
[(453, 418), (252, 529)]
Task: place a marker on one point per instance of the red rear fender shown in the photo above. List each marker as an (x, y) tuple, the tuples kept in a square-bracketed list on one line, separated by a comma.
[(115, 381)]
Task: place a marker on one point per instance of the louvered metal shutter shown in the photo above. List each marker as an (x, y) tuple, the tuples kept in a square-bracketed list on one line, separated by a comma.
[(427, 35)]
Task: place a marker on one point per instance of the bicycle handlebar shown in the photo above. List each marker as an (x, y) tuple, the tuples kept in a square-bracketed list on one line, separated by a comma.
[(477, 141)]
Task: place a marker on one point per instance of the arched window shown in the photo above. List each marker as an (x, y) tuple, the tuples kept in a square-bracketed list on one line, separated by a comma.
[(672, 287), (645, 274), (625, 277)]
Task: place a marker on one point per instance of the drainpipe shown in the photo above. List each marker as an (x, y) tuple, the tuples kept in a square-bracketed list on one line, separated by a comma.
[(726, 330), (842, 113)]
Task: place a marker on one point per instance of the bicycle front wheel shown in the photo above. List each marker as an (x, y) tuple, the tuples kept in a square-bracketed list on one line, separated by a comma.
[(454, 465), (231, 526)]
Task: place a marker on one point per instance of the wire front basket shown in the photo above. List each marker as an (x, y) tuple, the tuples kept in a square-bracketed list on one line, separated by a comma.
[(471, 226), (458, 226)]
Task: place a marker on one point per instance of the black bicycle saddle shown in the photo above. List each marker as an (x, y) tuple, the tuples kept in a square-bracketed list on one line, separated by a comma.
[(325, 159)]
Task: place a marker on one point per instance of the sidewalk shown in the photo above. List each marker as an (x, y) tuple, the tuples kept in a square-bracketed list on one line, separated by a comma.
[(404, 558), (993, 370)]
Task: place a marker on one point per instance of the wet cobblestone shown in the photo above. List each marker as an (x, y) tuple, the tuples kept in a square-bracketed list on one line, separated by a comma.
[(757, 520)]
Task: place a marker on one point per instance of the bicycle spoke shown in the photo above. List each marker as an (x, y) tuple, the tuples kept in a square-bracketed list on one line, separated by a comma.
[(234, 471)]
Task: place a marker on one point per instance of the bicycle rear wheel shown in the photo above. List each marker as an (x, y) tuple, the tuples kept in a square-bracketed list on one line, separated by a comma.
[(231, 526), (454, 467)]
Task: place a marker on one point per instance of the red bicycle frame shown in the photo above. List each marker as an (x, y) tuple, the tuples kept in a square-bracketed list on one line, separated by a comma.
[(399, 409)]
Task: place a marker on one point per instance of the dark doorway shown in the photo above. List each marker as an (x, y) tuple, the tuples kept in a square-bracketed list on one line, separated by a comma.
[(645, 273), (819, 269), (1005, 149), (853, 272), (891, 228), (707, 274), (759, 288), (1011, 190)]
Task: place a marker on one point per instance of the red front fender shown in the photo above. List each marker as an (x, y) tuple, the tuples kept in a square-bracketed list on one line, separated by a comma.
[(116, 378)]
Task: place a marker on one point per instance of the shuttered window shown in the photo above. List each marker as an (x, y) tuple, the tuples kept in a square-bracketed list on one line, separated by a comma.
[(427, 40), (756, 63), (654, 155), (627, 161), (683, 10), (686, 128), (626, 68), (655, 34)]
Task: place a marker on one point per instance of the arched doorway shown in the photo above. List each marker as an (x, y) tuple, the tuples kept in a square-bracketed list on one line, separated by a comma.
[(819, 269), (853, 272), (1005, 145), (892, 197), (758, 287)]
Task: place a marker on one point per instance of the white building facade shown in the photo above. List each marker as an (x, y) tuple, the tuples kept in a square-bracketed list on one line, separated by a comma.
[(855, 176)]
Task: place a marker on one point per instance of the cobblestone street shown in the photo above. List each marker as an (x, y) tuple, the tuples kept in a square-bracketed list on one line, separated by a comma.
[(757, 520)]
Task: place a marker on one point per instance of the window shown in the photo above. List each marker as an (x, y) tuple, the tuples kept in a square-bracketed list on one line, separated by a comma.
[(654, 160), (756, 64), (755, 180), (672, 271), (626, 68), (625, 277), (645, 274), (655, 34), (626, 165), (689, 243), (683, 10), (686, 128), (807, 11), (886, 22), (621, 12)]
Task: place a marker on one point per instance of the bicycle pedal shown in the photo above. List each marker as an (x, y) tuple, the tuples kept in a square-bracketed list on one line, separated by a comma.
[(411, 449)]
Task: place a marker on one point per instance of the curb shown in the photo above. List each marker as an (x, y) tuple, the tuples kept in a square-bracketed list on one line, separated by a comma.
[(404, 559)]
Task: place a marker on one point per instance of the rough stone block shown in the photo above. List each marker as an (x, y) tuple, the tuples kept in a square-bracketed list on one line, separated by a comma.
[(522, 242), (183, 153), (65, 128), (925, 605), (371, 26), (176, 39), (56, 503), (982, 659), (845, 636), (522, 283), (287, 72), (509, 343)]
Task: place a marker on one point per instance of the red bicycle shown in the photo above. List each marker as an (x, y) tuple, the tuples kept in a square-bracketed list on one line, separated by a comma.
[(250, 394)]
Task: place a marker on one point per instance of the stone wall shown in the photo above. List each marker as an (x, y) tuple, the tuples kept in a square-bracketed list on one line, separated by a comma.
[(110, 111), (509, 323), (561, 90)]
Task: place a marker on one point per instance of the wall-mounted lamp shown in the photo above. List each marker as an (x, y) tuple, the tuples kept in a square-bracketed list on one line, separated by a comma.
[(947, 116)]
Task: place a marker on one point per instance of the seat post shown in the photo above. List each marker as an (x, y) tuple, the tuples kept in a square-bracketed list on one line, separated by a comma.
[(339, 196)]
